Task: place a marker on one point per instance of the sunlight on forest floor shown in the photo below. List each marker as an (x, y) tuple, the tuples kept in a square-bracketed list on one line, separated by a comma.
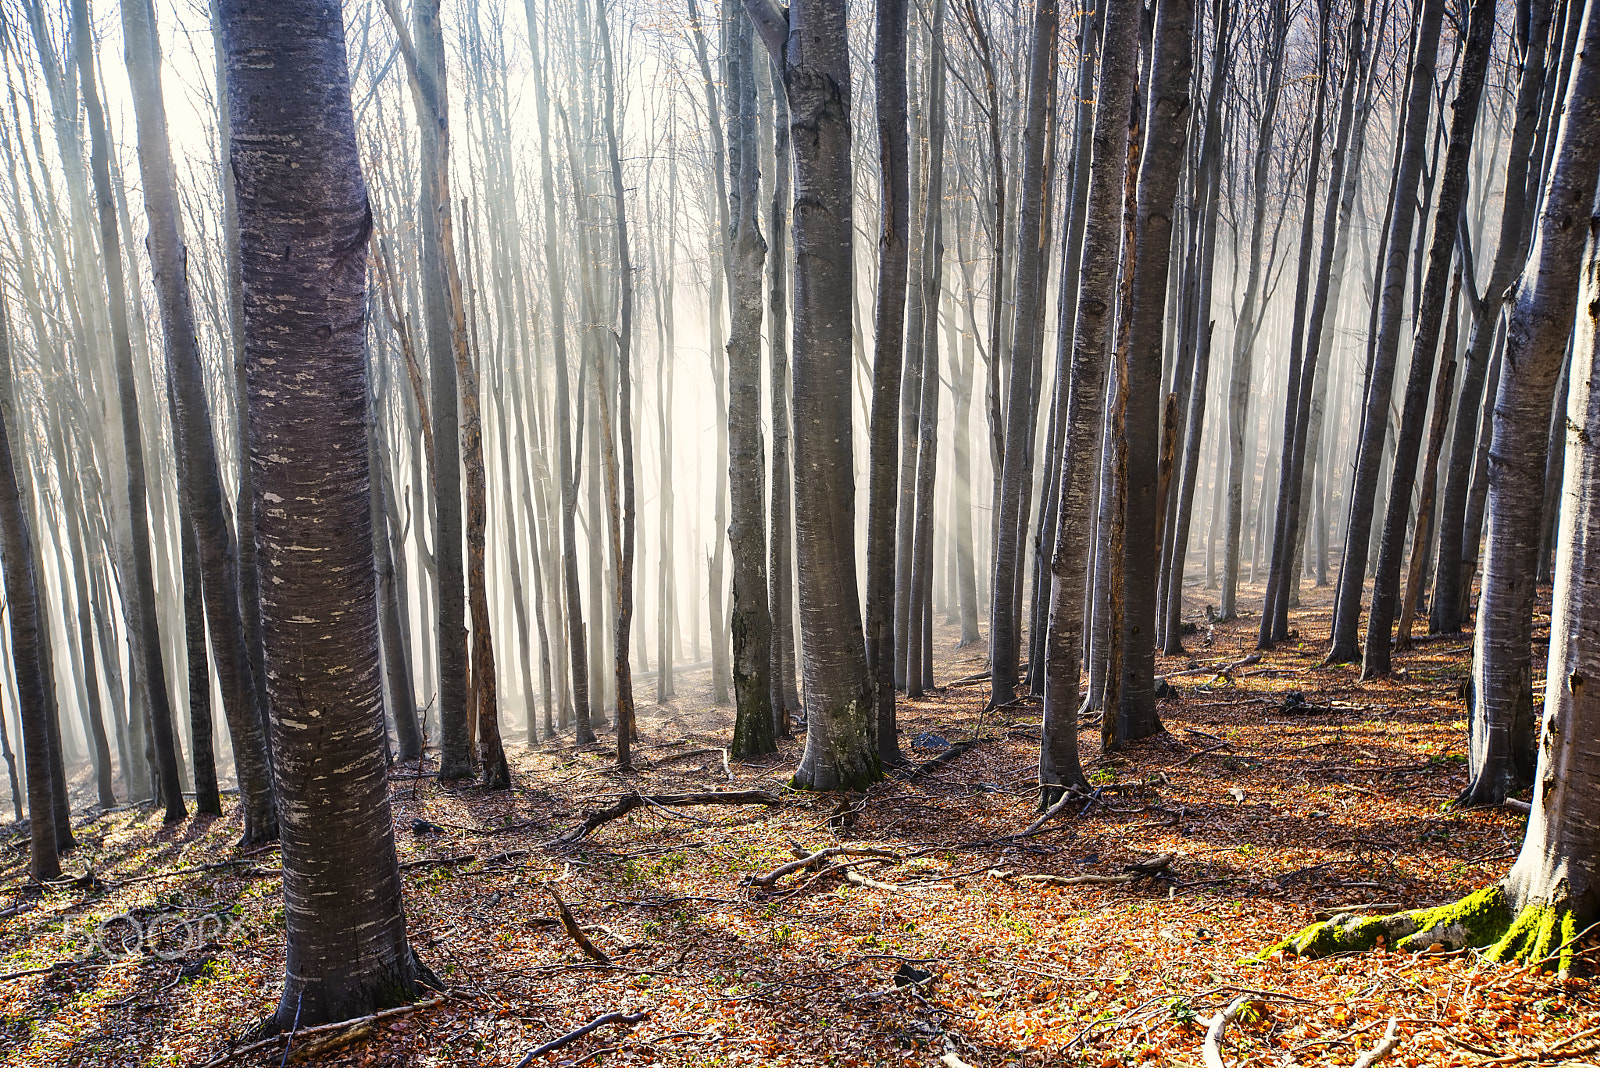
[(1274, 819)]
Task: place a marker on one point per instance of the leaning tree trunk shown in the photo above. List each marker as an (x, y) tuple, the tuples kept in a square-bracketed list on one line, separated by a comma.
[(138, 588), (22, 600), (347, 952), (894, 230), (810, 43), (1385, 342), (1083, 419), (1160, 167), (1501, 756), (1451, 579), (751, 621), (201, 480), (1428, 321), (1016, 477)]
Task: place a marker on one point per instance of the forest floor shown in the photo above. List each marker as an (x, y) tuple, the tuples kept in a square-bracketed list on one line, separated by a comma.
[(1273, 819)]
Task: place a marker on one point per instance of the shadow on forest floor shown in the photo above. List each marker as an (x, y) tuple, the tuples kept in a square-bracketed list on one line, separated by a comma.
[(1271, 819)]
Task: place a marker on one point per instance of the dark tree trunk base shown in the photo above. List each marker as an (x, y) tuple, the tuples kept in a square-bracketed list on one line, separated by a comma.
[(304, 1008)]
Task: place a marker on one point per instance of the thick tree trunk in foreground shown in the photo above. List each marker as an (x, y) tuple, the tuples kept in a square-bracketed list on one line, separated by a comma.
[(1083, 418), (1160, 167), (841, 751), (750, 620), (201, 481), (1501, 753), (894, 235), (347, 952)]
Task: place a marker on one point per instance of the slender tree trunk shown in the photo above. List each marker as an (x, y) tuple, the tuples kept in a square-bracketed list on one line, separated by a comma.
[(138, 587), (1386, 337), (1082, 420), (753, 728), (1428, 322), (1160, 168), (201, 479), (1017, 470), (22, 599), (780, 554), (563, 404), (894, 230)]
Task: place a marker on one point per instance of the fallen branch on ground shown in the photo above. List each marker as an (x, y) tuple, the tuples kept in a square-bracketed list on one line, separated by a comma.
[(628, 802), (912, 772), (322, 1029), (1211, 1051), (590, 950), (573, 1036), (814, 860), (1385, 1046)]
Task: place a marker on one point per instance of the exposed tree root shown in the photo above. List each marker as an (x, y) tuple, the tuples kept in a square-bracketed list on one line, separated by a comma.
[(1541, 935)]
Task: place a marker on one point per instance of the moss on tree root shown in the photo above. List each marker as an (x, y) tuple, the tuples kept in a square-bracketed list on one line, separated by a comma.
[(1541, 934)]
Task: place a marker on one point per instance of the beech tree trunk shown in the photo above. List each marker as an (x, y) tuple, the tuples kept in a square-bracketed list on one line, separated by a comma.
[(751, 621), (1501, 755), (1083, 418), (810, 43), (1016, 477), (1427, 323), (1160, 168), (347, 952), (894, 235), (201, 481), (1385, 338)]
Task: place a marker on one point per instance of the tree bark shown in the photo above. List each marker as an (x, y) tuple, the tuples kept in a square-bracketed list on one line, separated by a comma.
[(138, 587), (1428, 323), (347, 952), (201, 481), (811, 44), (1385, 340), (894, 230), (1160, 168), (1016, 479), (1501, 757)]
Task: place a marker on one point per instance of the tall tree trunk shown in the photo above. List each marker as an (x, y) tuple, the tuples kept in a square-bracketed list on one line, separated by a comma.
[(1282, 572), (1501, 754), (780, 553), (1385, 340), (894, 234), (626, 728), (1428, 321), (1452, 580), (22, 598), (841, 750), (919, 655), (138, 589), (1083, 420), (1022, 401), (201, 479), (554, 269), (1160, 168), (347, 952)]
